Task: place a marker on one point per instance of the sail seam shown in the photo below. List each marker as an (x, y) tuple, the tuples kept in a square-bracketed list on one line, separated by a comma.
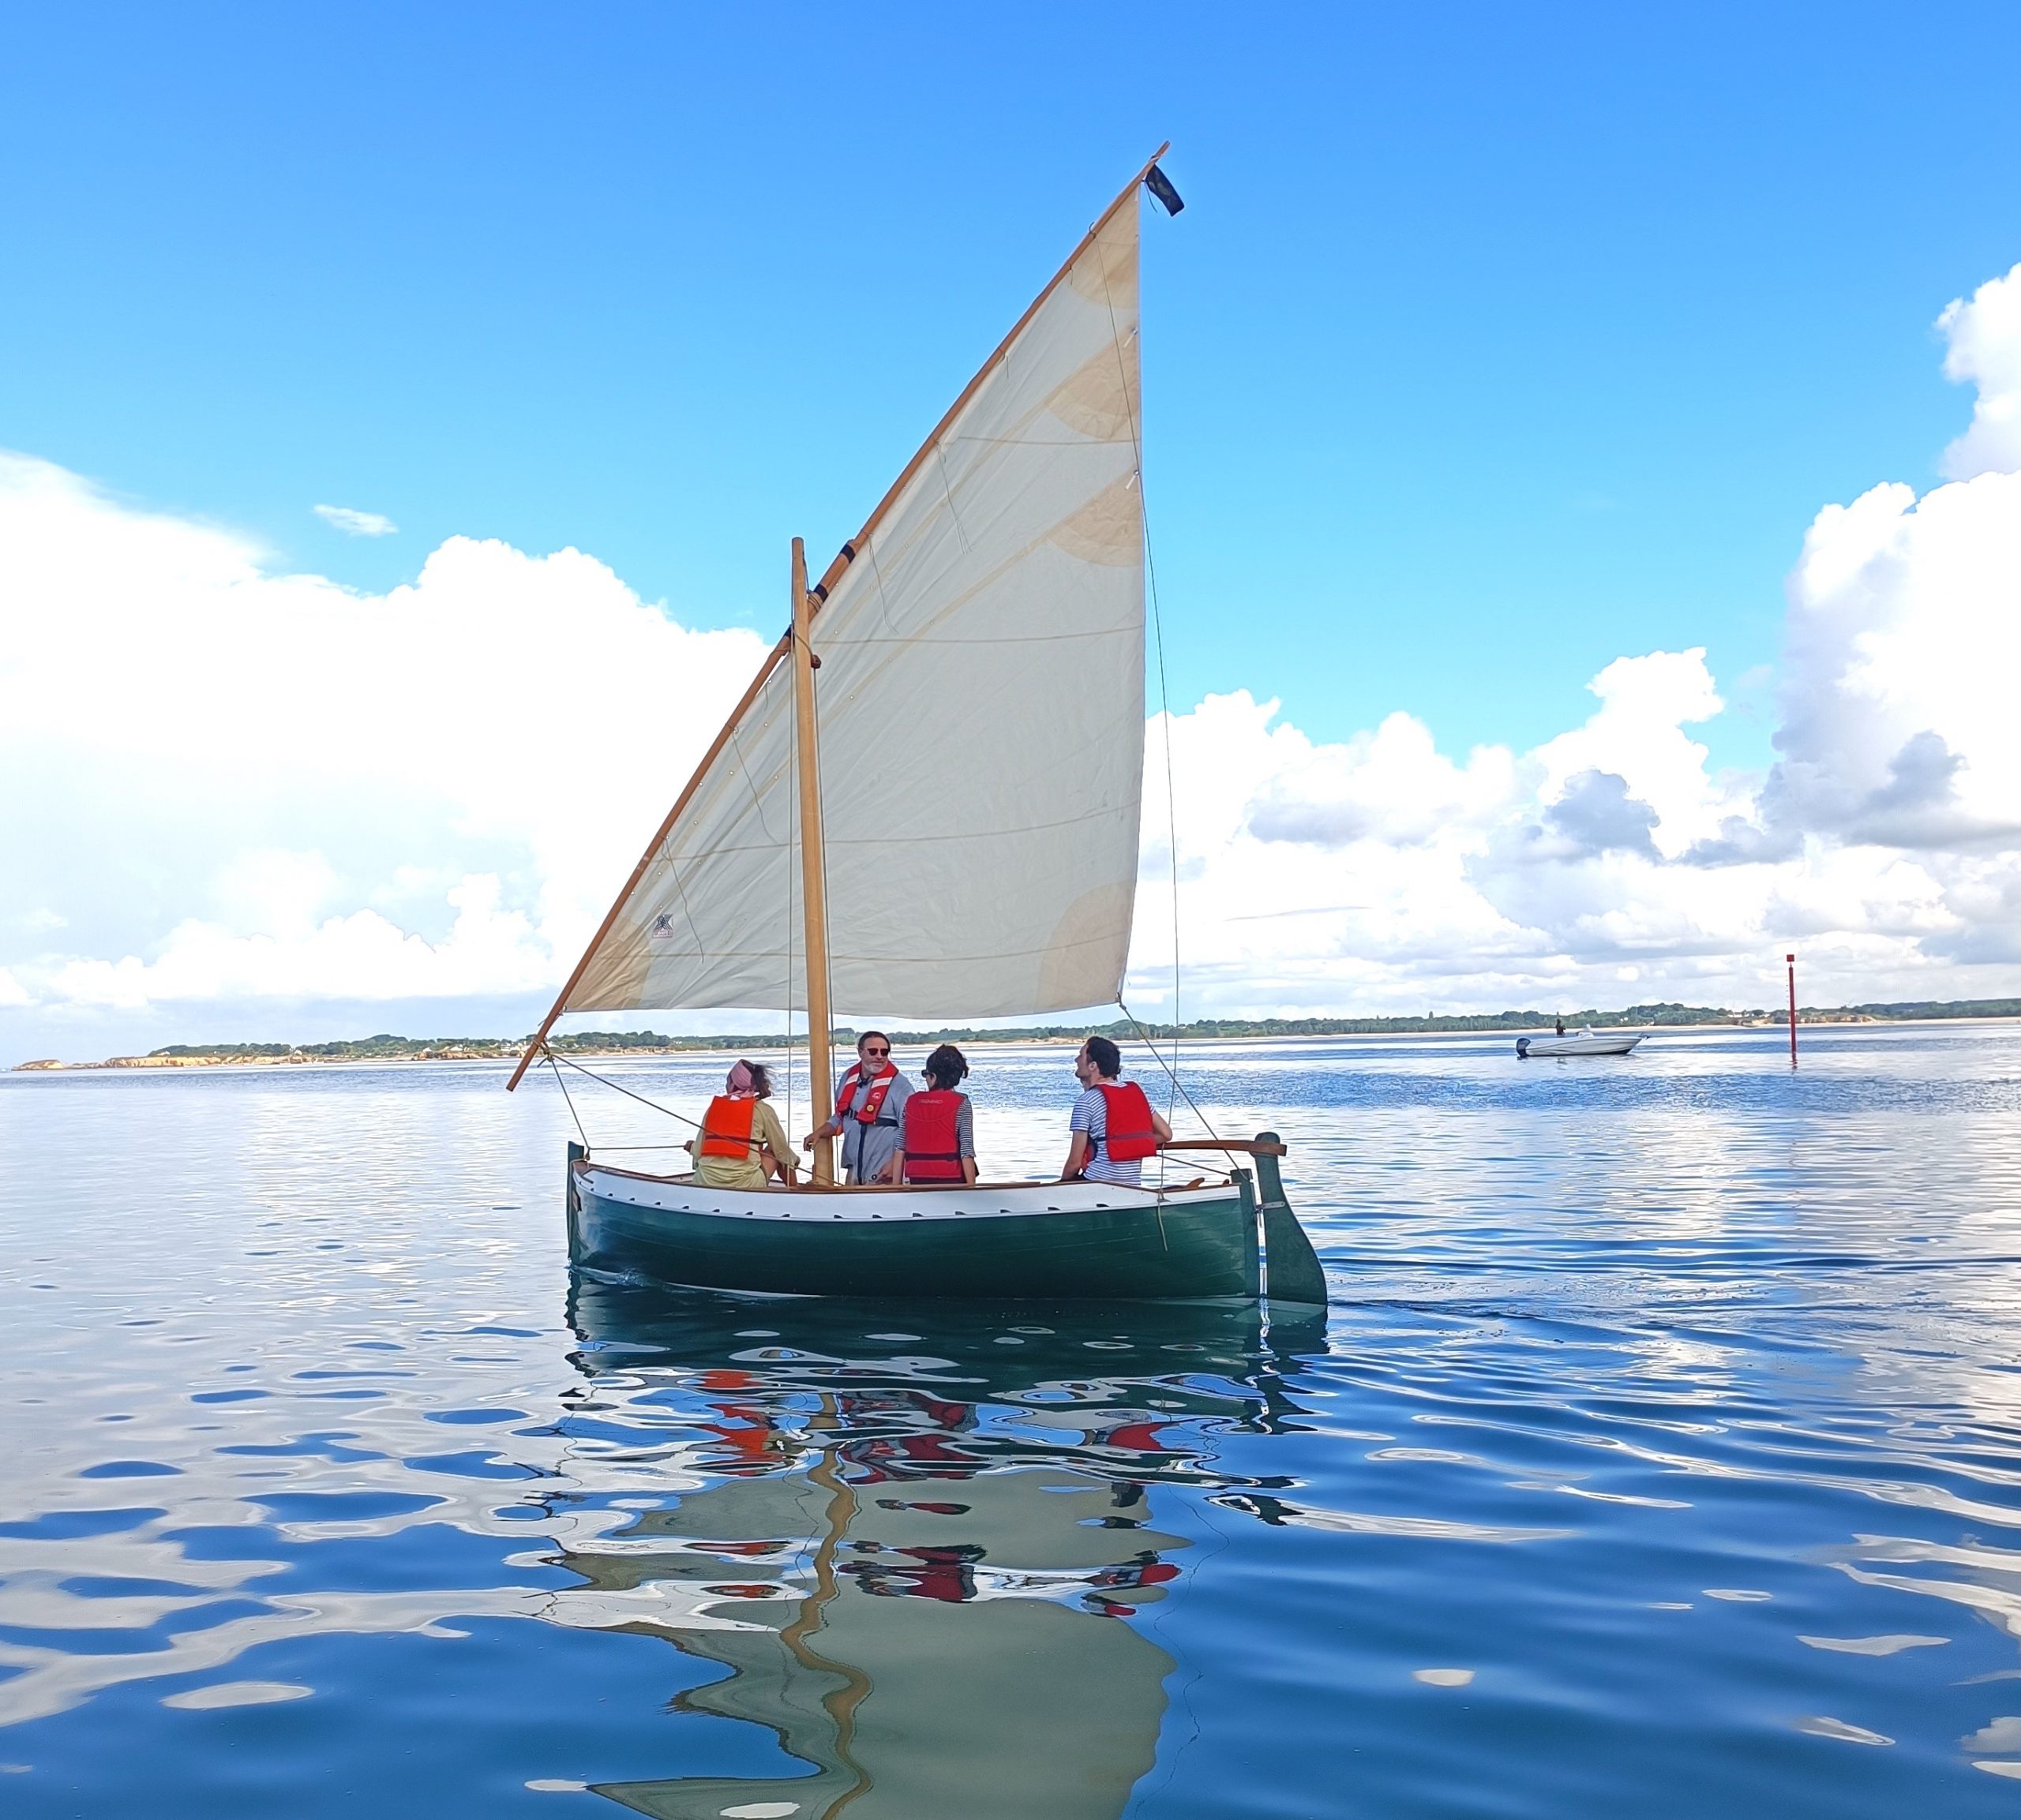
[(947, 493), (995, 833), (950, 644), (867, 958), (898, 960)]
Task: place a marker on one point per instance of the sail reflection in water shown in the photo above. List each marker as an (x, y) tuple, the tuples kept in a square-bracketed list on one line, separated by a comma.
[(916, 1548)]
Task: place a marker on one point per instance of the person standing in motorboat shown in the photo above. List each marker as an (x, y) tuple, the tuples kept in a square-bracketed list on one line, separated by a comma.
[(1561, 1023), (937, 1137), (870, 1106), (741, 1143), (1115, 1126)]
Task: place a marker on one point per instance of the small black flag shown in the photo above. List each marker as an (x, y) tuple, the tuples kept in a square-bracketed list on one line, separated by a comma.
[(1160, 186)]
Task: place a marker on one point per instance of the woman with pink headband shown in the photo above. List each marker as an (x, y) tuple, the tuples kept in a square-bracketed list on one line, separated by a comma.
[(741, 1144)]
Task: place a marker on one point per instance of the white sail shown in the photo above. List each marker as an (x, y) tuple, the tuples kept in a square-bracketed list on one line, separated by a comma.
[(981, 720)]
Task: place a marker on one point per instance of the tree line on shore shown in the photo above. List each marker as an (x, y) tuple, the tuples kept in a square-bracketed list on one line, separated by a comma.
[(388, 1047)]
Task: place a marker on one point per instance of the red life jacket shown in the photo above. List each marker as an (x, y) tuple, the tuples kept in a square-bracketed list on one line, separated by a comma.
[(1128, 1133), (726, 1128), (873, 1101), (931, 1141)]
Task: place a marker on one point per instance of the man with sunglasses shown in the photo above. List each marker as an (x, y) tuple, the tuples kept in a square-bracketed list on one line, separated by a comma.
[(870, 1112)]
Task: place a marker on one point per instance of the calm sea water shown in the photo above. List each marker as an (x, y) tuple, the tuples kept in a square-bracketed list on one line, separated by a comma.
[(1661, 1454)]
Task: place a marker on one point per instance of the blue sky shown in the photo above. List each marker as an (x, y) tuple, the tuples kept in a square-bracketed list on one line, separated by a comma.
[(1495, 342), (1502, 358)]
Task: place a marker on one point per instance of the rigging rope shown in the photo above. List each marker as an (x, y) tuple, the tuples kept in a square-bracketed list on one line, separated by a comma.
[(615, 1087), (792, 856), (1164, 706), (1171, 800), (1145, 1036), (1172, 804), (565, 1094)]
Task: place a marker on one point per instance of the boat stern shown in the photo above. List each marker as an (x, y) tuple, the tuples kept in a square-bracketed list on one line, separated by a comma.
[(1291, 1271)]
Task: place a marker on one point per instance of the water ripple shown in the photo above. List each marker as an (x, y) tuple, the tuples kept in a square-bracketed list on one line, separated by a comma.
[(1661, 1454)]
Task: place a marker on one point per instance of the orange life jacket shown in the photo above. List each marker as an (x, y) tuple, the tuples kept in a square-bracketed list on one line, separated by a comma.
[(873, 1101), (932, 1139), (1128, 1133), (726, 1128)]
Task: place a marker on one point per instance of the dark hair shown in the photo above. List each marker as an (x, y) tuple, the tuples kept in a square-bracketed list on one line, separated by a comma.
[(1106, 1057), (946, 1067), (866, 1036), (761, 1079)]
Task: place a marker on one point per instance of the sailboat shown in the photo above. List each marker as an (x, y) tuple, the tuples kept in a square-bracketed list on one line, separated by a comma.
[(926, 802)]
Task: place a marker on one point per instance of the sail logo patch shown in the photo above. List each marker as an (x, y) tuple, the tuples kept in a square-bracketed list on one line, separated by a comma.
[(663, 928)]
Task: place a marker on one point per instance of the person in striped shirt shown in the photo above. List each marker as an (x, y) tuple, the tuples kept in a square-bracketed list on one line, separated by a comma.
[(1114, 1127)]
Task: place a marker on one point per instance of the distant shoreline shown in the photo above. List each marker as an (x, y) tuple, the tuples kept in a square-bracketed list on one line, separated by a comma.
[(386, 1050)]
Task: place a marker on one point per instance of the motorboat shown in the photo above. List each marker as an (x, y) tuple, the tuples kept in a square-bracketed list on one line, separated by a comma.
[(1587, 1041)]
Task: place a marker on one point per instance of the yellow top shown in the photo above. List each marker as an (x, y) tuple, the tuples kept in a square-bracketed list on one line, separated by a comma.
[(746, 1171)]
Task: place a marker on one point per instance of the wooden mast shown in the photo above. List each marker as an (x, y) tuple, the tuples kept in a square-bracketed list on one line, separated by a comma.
[(813, 874)]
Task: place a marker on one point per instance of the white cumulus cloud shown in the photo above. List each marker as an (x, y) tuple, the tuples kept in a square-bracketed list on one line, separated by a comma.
[(356, 524), (219, 784), (1984, 334), (1610, 860), (1381, 875), (232, 794)]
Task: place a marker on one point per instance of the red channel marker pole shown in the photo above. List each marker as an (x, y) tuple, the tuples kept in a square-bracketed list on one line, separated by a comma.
[(1792, 960)]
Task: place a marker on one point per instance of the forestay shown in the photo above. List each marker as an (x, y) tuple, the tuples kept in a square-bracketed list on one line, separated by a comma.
[(981, 720)]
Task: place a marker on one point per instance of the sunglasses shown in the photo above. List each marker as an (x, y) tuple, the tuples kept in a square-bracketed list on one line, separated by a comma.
[(876, 1052)]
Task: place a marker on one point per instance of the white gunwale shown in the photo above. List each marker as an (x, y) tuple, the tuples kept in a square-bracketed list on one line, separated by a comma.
[(957, 1201)]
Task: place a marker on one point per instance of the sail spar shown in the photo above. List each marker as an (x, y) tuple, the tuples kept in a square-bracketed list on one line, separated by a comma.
[(981, 719)]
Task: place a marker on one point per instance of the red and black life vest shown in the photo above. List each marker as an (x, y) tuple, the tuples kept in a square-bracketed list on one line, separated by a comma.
[(931, 1140), (873, 1101), (726, 1128), (1128, 1135)]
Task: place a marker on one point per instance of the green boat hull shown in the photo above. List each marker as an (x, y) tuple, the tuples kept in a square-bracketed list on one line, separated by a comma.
[(1064, 1242)]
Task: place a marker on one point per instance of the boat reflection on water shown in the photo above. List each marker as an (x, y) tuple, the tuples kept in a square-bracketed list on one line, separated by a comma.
[(917, 1533)]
